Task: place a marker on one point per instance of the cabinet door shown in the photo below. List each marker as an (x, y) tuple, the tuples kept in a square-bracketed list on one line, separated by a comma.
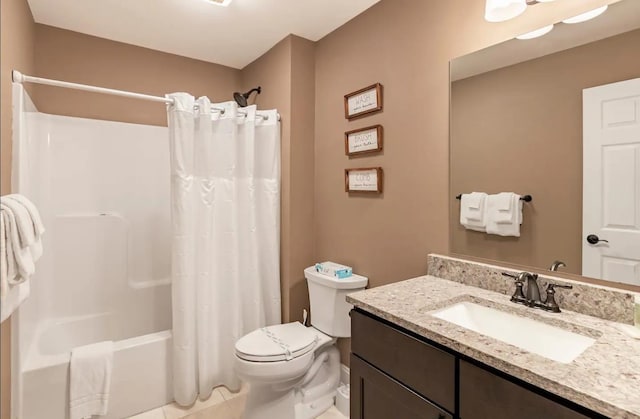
[(427, 370), (485, 395), (375, 395)]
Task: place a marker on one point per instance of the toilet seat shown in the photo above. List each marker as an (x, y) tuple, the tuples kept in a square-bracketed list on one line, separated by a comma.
[(281, 342)]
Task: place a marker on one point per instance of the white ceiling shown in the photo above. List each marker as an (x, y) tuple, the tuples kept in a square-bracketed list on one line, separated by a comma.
[(234, 35)]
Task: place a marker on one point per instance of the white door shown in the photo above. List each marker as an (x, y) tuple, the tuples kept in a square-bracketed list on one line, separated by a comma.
[(611, 182)]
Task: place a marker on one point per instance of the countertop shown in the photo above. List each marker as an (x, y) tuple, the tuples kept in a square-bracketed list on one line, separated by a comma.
[(605, 378)]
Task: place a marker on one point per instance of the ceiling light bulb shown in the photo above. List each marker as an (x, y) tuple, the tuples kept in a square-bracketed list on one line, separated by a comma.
[(535, 34), (501, 10), (586, 16)]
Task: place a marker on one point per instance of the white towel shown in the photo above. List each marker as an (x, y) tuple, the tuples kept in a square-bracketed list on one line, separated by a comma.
[(4, 260), (26, 227), (22, 256), (14, 297), (11, 268), (91, 367), (504, 214), (473, 211), (33, 212)]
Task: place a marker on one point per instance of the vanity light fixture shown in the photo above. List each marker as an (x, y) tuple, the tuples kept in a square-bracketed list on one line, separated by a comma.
[(586, 16), (501, 10), (535, 34), (220, 2)]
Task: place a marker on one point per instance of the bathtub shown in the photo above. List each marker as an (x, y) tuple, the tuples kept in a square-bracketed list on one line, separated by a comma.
[(141, 368), (102, 188)]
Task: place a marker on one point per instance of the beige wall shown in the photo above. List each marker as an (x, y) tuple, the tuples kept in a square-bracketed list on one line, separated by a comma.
[(79, 58), (286, 75), (406, 45), (520, 129), (16, 51)]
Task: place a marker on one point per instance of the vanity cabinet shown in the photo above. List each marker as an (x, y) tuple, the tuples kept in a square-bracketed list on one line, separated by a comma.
[(396, 374), (382, 397), (485, 395)]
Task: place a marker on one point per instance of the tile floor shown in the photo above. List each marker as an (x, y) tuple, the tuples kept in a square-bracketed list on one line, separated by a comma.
[(221, 405)]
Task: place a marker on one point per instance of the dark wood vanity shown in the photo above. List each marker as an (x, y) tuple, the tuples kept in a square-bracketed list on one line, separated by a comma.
[(396, 374)]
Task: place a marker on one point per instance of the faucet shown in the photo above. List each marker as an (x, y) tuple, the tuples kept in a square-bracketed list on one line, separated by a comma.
[(557, 264), (532, 297)]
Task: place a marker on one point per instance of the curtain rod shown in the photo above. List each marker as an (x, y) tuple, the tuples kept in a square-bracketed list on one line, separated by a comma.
[(18, 77)]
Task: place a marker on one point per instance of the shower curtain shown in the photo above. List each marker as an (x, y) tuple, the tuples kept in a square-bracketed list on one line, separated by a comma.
[(225, 211)]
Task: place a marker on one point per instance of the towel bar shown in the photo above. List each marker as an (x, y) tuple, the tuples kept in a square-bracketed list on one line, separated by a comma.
[(525, 198)]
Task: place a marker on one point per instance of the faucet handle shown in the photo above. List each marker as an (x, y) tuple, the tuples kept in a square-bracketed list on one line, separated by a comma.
[(550, 303), (510, 275), (518, 295), (552, 287)]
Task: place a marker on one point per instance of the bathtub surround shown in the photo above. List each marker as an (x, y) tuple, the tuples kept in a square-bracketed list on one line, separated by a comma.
[(123, 278), (225, 215)]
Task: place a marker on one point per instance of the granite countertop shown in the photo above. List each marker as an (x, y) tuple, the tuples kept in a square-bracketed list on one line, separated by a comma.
[(604, 378)]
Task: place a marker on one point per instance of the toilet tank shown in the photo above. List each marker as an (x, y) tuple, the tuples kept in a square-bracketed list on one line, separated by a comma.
[(329, 307)]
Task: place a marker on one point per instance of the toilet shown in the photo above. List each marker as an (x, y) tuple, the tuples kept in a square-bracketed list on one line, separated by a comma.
[(293, 371)]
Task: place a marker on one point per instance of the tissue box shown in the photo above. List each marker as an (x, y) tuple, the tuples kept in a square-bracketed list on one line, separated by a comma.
[(334, 269)]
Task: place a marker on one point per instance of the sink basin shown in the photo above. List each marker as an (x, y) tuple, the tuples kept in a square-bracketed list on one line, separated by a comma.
[(540, 338)]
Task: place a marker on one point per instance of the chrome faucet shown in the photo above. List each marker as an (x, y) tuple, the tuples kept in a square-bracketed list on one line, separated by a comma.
[(556, 265)]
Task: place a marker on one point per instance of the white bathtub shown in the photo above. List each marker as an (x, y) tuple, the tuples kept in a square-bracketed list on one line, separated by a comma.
[(141, 368), (102, 188)]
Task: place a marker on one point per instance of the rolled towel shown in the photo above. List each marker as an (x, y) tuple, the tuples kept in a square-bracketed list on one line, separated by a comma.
[(90, 380)]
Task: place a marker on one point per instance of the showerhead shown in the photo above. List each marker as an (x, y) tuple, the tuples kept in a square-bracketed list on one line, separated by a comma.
[(241, 98)]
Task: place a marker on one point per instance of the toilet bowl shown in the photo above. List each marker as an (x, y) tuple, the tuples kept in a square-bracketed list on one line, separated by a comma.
[(293, 371)]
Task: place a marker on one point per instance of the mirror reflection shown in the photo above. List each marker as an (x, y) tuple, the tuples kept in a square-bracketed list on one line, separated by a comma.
[(556, 117)]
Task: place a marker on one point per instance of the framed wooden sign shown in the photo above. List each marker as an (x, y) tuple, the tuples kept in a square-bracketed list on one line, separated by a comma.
[(367, 179), (363, 140), (363, 101)]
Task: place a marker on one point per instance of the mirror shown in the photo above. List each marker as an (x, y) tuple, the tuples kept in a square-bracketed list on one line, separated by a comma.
[(519, 124)]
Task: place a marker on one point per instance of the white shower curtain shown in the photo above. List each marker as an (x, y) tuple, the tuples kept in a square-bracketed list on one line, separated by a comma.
[(225, 210)]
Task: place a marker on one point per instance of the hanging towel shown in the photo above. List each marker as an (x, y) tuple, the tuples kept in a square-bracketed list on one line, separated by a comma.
[(15, 295), (27, 230), (33, 212), (4, 259), (473, 211), (504, 214), (91, 367), (22, 256)]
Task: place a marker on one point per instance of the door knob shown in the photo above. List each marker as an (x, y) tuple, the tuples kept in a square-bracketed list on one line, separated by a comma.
[(593, 239)]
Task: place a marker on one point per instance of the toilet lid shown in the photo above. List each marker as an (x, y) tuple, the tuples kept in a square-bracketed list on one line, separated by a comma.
[(277, 343)]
